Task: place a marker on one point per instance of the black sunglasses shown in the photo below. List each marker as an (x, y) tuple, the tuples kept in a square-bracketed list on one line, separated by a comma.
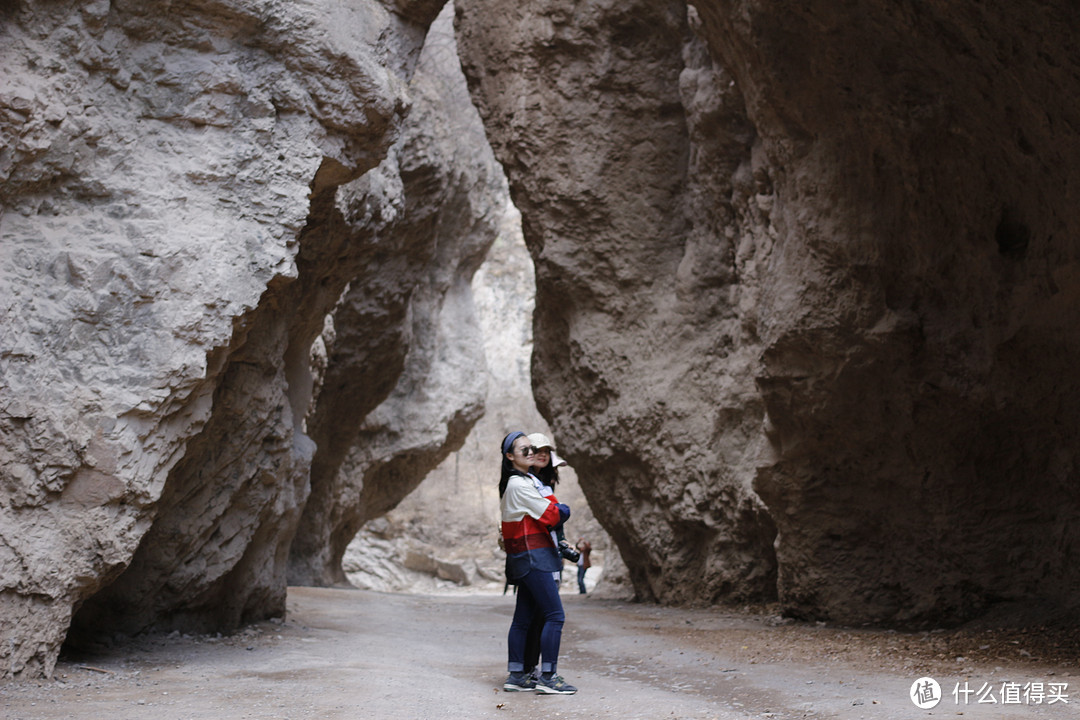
[(529, 450)]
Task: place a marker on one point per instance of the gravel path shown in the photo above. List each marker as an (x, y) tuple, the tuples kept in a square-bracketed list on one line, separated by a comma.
[(359, 654)]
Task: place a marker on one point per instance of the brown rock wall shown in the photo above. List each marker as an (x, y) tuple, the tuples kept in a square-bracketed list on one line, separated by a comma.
[(915, 374), (642, 363), (818, 255)]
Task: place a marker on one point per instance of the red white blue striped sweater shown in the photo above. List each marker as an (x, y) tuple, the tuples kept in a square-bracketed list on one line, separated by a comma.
[(527, 519)]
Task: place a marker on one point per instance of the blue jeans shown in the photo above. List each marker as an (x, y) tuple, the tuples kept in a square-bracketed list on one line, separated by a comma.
[(581, 579), (537, 595)]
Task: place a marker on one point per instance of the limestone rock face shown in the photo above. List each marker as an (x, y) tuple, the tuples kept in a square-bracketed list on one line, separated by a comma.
[(405, 378), (814, 260), (172, 238)]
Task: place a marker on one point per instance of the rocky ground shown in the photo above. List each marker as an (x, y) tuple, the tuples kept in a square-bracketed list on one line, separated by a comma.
[(360, 654)]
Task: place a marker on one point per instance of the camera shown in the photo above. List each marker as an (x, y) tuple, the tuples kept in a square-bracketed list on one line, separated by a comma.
[(568, 552)]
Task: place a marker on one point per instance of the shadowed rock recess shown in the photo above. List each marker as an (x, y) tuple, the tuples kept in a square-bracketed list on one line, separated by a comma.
[(822, 254), (807, 311)]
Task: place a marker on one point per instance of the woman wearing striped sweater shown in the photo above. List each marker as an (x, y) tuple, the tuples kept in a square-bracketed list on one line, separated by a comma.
[(531, 558)]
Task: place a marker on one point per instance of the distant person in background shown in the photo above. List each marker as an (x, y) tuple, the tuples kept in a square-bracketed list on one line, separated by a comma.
[(583, 564), (531, 561)]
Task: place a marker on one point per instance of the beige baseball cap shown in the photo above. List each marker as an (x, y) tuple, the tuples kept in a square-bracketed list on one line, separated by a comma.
[(541, 441)]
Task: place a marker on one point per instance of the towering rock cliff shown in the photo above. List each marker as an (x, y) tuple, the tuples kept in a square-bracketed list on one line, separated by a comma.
[(391, 409), (187, 190), (645, 338), (804, 273), (921, 331)]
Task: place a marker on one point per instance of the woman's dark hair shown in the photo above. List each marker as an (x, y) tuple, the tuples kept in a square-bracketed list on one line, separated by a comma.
[(549, 474), (508, 468)]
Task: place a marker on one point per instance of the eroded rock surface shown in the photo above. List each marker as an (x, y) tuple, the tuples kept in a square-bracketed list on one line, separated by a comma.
[(823, 257), (806, 295), (452, 516), (643, 358), (390, 411), (173, 238), (920, 300)]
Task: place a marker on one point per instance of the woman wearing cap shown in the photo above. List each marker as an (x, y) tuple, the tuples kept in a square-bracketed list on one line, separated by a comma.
[(544, 467), (531, 558)]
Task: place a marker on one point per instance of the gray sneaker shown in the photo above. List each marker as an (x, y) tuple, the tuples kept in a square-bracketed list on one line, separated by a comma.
[(518, 682), (555, 686)]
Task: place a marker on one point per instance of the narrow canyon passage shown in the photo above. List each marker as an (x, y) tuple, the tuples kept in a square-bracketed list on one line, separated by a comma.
[(804, 313), (445, 531), (346, 654)]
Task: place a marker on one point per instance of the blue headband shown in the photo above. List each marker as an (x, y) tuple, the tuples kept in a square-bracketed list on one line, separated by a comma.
[(508, 442)]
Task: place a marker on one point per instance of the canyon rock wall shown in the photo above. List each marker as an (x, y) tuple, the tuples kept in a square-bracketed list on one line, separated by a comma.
[(804, 275), (181, 210), (409, 549), (644, 357), (388, 412), (917, 372)]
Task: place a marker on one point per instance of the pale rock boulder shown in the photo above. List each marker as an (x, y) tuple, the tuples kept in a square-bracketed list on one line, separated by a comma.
[(167, 254)]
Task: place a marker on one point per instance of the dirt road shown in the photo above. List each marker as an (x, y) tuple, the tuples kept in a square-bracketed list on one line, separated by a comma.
[(358, 654)]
